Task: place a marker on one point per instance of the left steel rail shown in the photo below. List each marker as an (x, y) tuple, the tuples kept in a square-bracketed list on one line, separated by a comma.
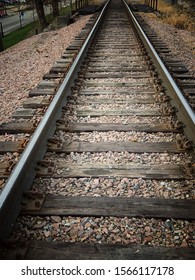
[(24, 172)]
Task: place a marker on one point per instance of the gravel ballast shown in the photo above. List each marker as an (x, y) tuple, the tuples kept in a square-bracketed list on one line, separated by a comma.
[(22, 68), (23, 65)]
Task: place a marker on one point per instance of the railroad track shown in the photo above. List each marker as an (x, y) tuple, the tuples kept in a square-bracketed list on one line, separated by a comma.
[(109, 171)]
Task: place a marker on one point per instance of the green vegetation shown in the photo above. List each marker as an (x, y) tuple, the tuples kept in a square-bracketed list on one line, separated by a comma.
[(19, 35), (27, 31), (171, 14)]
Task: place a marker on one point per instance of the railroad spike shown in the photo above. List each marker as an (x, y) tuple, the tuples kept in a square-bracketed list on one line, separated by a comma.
[(54, 144), (189, 169), (45, 163)]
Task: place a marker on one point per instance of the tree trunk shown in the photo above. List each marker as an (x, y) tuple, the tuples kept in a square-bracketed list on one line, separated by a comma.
[(41, 13), (55, 8)]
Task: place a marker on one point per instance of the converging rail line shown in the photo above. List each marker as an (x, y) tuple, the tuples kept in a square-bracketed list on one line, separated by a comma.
[(108, 172)]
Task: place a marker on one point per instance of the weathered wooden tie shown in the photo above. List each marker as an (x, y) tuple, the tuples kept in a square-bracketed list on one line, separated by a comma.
[(110, 206)]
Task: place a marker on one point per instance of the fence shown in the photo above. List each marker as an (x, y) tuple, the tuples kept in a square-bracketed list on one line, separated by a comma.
[(1, 37), (152, 3)]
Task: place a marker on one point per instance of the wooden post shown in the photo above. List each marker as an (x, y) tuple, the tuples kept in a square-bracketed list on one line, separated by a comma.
[(156, 7), (1, 37), (71, 7), (153, 4), (1, 44)]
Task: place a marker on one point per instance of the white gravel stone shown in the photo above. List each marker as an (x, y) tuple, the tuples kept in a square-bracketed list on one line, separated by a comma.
[(23, 65), (177, 233), (123, 187), (28, 62), (180, 42)]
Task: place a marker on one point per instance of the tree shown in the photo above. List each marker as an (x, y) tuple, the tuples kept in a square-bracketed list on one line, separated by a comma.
[(41, 14), (55, 8)]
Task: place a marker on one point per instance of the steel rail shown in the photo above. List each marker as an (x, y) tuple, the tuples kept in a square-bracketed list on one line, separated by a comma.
[(24, 172), (185, 112)]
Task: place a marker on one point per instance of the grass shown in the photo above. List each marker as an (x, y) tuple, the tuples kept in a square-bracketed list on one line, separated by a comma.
[(176, 16), (172, 14), (18, 35), (166, 13), (26, 31)]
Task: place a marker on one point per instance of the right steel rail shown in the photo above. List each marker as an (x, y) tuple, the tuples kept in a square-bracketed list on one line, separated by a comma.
[(184, 110)]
